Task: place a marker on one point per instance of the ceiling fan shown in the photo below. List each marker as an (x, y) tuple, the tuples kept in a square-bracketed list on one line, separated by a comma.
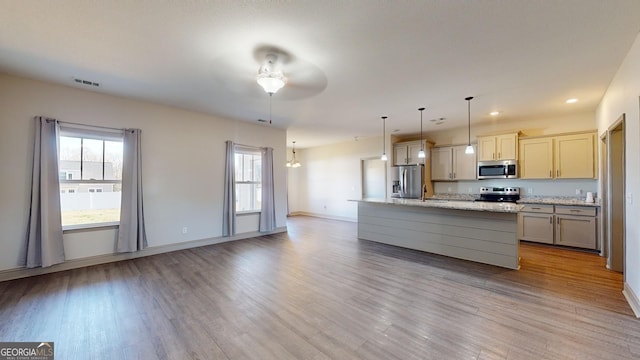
[(239, 73)]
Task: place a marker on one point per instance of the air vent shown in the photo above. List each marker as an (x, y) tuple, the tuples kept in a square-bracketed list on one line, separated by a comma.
[(86, 82)]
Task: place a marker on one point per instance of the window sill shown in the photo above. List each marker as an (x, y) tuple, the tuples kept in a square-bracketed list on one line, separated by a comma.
[(90, 227), (248, 212)]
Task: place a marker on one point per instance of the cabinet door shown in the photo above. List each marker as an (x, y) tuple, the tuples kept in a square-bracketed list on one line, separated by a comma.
[(486, 148), (507, 147), (400, 155), (464, 165), (578, 231), (536, 158), (574, 157), (536, 227), (441, 162), (413, 150)]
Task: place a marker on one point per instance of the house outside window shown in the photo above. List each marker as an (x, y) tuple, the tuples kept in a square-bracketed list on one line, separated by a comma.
[(248, 185), (90, 168)]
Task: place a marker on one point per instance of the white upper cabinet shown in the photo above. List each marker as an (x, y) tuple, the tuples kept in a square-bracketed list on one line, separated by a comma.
[(452, 163), (558, 157), (405, 153), (498, 147)]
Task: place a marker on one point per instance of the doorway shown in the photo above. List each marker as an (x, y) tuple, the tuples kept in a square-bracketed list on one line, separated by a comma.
[(613, 186), (374, 178)]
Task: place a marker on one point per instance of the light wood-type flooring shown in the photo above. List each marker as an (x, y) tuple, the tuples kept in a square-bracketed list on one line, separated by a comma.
[(317, 292)]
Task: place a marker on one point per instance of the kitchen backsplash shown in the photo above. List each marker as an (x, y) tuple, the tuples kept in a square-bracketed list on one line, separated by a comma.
[(528, 188)]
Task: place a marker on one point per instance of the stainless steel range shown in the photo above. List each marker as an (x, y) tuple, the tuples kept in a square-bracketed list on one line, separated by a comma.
[(499, 194)]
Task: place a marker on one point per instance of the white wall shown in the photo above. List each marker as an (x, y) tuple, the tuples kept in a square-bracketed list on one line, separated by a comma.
[(329, 177), (622, 97), (183, 162)]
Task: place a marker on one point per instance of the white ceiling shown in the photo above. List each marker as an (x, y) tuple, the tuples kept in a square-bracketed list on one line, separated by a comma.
[(352, 61)]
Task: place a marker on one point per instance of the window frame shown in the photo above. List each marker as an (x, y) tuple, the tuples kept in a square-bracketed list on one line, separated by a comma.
[(87, 132), (246, 150)]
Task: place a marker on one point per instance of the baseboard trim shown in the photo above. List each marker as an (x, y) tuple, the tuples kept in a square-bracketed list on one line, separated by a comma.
[(23, 272), (322, 216), (632, 299)]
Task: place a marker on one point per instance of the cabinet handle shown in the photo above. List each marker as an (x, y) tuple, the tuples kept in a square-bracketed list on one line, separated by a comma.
[(493, 156), (535, 208), (454, 175), (575, 210), (549, 173), (558, 221), (450, 176), (499, 155), (557, 173)]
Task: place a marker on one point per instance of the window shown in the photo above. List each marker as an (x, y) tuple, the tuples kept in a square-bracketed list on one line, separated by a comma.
[(248, 165), (90, 168)]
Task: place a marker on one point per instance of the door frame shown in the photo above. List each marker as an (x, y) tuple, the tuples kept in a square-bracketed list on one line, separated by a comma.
[(362, 175), (607, 198)]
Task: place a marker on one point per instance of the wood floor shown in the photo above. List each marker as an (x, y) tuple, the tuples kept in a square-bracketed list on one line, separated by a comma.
[(320, 293)]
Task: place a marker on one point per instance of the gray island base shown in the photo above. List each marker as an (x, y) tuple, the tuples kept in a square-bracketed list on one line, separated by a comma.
[(475, 231)]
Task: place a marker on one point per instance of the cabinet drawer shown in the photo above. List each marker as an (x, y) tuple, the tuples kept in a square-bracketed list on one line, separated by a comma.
[(576, 210), (535, 208)]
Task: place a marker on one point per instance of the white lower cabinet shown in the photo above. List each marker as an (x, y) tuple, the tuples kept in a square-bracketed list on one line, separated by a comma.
[(574, 226)]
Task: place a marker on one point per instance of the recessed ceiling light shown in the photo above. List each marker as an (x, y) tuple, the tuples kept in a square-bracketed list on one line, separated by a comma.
[(571, 101), (494, 113)]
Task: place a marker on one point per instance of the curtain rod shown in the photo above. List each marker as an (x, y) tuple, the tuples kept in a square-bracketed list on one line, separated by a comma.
[(98, 126), (248, 146)]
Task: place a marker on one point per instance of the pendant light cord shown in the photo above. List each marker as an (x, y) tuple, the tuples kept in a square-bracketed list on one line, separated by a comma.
[(421, 142), (469, 118), (270, 99)]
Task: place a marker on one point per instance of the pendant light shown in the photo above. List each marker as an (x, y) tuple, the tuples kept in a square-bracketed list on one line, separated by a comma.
[(384, 154), (421, 153), (469, 149), (293, 162)]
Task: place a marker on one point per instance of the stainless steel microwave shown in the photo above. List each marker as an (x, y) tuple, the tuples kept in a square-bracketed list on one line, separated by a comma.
[(499, 169)]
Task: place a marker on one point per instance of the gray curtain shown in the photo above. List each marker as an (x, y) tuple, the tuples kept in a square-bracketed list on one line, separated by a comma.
[(45, 246), (229, 205), (268, 210), (131, 234)]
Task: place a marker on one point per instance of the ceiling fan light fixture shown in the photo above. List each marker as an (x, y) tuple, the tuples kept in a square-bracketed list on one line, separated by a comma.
[(270, 76), (271, 82)]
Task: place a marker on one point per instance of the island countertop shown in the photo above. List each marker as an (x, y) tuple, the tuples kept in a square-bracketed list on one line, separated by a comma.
[(450, 204)]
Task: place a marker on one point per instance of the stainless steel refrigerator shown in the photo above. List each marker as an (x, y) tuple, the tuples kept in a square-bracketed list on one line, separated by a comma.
[(411, 180)]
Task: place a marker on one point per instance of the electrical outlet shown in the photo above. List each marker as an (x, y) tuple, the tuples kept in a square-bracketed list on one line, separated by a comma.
[(529, 191), (578, 191), (449, 189), (470, 190), (184, 230)]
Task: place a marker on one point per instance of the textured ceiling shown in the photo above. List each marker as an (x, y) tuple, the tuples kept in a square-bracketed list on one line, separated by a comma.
[(349, 61)]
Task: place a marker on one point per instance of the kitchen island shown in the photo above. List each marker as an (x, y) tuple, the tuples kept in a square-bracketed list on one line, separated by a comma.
[(477, 231)]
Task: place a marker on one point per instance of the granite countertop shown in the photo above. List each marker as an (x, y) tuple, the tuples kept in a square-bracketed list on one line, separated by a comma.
[(557, 201), (451, 204), (548, 200)]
